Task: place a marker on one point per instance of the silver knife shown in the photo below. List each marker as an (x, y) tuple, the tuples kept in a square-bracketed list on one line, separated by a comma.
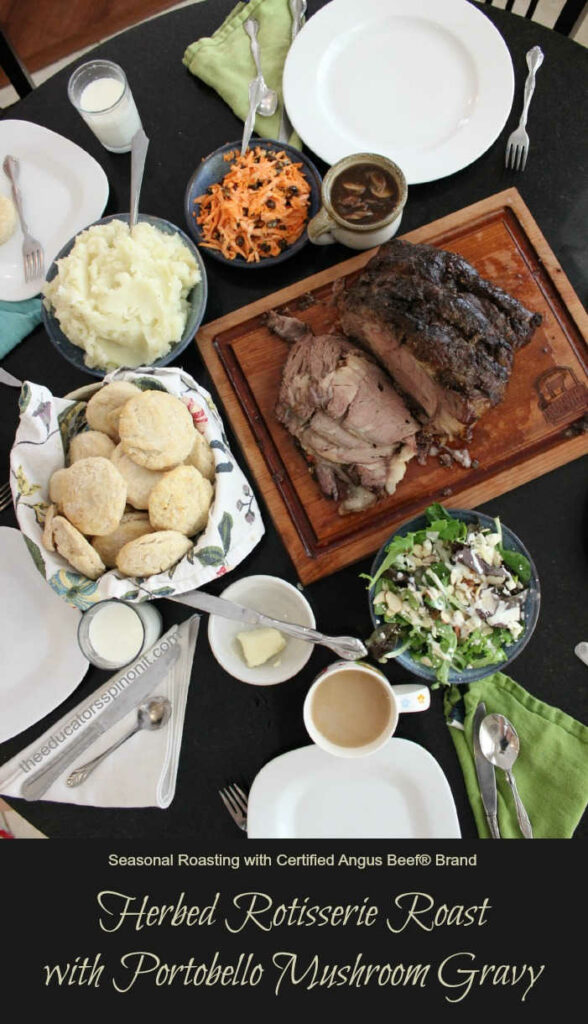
[(347, 647), (136, 691), (486, 775), (298, 10)]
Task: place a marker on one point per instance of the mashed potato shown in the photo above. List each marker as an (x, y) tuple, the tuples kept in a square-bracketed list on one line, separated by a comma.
[(121, 297)]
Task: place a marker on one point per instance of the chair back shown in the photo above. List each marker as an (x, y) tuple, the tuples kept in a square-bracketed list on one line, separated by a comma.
[(567, 19)]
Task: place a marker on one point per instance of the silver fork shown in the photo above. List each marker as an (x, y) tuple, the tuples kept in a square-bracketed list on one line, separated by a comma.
[(5, 496), (235, 802), (517, 146), (32, 250)]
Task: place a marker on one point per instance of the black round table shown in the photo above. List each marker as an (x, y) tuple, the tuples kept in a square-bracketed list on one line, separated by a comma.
[(232, 730)]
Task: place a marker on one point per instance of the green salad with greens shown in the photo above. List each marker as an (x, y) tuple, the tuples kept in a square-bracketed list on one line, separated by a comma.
[(450, 595)]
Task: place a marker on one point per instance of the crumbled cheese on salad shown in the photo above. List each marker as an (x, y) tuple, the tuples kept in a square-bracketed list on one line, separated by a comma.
[(450, 595)]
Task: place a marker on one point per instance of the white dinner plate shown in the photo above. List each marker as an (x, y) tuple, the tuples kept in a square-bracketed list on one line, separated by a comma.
[(399, 792), (428, 83), (63, 188), (41, 661)]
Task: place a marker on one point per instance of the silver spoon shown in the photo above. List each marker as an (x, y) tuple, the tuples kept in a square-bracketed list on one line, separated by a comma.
[(139, 147), (152, 715), (267, 103), (500, 745)]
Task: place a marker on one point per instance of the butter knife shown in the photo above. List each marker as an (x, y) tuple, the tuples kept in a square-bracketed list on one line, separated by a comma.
[(137, 690), (347, 647), (486, 775), (298, 10)]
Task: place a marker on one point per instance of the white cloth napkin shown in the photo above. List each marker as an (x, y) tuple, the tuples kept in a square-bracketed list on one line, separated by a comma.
[(143, 771)]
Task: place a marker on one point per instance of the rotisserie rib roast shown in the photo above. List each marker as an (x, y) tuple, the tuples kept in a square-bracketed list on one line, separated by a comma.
[(446, 335), (447, 338)]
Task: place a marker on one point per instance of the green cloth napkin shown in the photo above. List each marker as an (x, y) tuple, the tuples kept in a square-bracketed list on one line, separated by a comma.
[(551, 770), (17, 319), (224, 60)]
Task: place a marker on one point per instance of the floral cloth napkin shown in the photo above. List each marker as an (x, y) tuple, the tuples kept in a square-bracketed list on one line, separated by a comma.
[(46, 427), (551, 770), (224, 60), (17, 320), (143, 771)]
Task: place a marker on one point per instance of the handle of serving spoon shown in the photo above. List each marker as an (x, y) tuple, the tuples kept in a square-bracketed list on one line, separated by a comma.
[(139, 147), (254, 94), (522, 816)]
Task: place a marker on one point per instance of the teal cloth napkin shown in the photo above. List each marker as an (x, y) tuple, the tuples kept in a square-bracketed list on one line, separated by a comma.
[(17, 319)]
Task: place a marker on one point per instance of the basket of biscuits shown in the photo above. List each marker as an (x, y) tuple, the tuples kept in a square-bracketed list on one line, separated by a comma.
[(133, 493)]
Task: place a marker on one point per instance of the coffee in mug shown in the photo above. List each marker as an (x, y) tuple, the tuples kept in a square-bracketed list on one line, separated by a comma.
[(351, 709)]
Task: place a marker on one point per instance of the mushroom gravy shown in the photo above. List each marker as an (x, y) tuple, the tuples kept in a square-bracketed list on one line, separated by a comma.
[(364, 194)]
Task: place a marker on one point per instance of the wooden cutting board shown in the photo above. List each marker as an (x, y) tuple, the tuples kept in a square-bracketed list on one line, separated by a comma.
[(534, 430)]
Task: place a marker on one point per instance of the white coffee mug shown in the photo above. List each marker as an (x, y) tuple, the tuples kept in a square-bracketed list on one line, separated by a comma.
[(328, 226), (406, 697)]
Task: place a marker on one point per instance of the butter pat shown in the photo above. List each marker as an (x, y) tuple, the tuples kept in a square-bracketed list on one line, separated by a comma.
[(259, 645)]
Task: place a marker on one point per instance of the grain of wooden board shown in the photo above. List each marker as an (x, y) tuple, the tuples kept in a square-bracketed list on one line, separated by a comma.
[(534, 430)]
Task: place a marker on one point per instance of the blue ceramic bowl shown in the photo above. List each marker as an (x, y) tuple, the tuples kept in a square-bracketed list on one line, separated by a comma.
[(197, 299), (531, 606), (213, 169)]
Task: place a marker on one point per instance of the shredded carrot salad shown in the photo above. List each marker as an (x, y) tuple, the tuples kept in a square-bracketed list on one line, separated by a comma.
[(258, 209)]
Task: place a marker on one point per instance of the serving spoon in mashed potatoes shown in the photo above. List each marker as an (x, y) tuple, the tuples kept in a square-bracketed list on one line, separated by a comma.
[(139, 147)]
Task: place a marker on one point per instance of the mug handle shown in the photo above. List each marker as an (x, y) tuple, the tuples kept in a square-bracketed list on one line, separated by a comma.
[(319, 228), (412, 697)]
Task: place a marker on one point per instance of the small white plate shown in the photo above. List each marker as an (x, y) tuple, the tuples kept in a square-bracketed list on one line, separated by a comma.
[(63, 188), (41, 660), (426, 83), (271, 596), (399, 792)]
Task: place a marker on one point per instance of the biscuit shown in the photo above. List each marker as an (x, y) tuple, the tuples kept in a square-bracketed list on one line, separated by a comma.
[(90, 443), (152, 553), (47, 538), (140, 481), (56, 486), (107, 401), (180, 501), (76, 549), (156, 430), (202, 457), (131, 526), (8, 219), (94, 495)]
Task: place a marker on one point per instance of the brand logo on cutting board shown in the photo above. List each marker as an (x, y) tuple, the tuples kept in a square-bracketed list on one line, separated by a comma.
[(561, 395)]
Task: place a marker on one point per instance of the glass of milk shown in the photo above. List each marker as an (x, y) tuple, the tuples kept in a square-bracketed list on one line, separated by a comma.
[(113, 633), (100, 93)]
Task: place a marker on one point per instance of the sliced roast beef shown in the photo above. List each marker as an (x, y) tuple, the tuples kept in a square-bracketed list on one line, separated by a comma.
[(345, 413), (445, 334)]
